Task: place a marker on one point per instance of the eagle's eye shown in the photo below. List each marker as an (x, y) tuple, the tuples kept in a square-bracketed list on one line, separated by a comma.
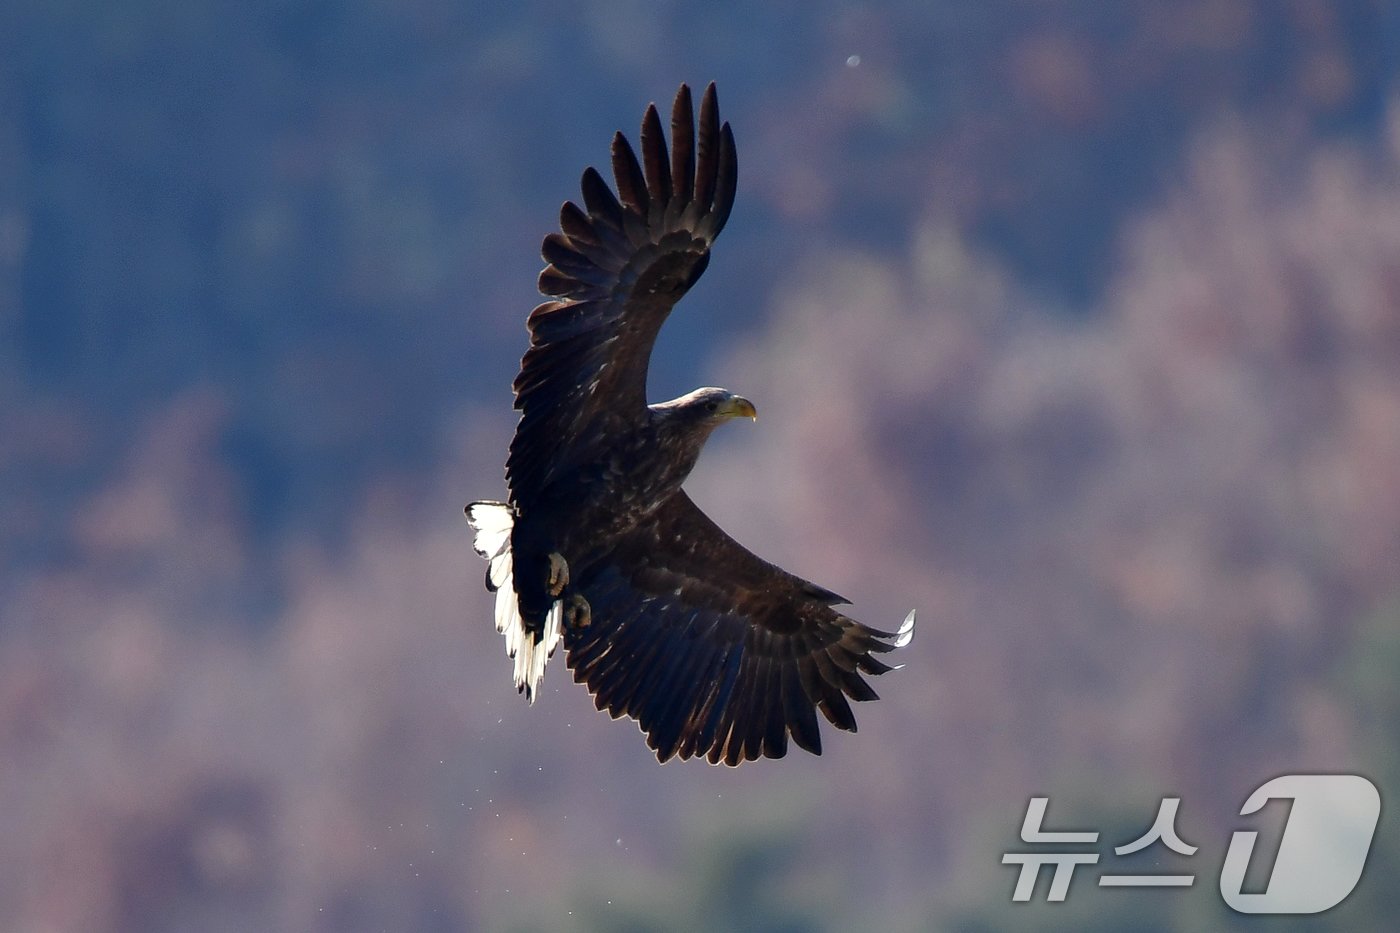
[(712, 406)]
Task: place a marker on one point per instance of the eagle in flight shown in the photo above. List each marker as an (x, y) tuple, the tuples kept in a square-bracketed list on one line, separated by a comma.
[(665, 618)]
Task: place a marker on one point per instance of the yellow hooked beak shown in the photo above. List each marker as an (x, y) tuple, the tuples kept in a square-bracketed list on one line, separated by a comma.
[(739, 407)]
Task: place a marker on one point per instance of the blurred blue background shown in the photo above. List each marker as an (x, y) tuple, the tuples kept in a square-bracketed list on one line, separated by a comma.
[(1075, 325)]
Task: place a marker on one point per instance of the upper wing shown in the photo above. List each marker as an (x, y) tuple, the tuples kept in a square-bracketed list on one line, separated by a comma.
[(615, 271), (713, 650)]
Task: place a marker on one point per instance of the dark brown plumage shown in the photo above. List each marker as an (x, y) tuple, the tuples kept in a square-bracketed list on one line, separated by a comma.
[(665, 618)]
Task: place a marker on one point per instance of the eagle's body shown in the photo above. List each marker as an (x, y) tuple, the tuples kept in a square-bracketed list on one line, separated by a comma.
[(714, 651), (583, 512)]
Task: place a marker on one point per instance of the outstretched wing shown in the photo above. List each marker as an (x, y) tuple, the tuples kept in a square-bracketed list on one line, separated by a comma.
[(615, 271), (714, 651)]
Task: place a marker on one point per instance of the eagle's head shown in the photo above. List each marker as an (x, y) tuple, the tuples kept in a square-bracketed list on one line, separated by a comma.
[(711, 407)]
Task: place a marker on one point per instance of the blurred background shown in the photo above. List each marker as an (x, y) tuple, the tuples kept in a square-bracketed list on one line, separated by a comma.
[(1075, 325)]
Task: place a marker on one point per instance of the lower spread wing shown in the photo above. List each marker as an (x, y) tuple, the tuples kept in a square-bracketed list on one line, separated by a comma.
[(618, 266), (714, 651)]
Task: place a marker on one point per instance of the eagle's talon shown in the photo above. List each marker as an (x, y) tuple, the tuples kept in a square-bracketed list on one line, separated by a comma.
[(577, 613), (558, 574)]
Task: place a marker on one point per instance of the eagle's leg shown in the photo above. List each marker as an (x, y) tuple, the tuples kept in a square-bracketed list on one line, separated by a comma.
[(577, 612), (558, 574)]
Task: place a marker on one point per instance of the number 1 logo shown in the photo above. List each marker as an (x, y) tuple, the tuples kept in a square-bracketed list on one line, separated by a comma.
[(1324, 845)]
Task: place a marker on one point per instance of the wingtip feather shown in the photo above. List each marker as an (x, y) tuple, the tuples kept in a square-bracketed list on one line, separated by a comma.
[(905, 634)]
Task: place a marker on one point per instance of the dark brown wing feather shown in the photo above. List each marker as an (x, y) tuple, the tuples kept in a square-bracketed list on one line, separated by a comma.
[(713, 650), (615, 270)]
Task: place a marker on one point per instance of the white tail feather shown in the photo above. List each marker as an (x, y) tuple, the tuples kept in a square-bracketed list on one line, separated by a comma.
[(492, 522)]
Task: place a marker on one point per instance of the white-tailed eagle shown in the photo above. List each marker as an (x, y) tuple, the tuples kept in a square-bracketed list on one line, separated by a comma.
[(715, 652)]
